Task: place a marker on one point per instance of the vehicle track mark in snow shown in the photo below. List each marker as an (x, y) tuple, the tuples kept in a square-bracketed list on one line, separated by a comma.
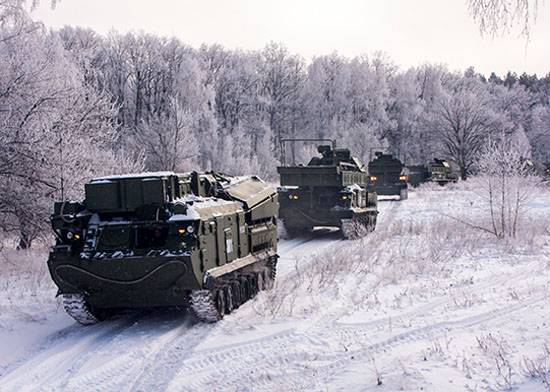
[(121, 372), (292, 348), (52, 364), (308, 357)]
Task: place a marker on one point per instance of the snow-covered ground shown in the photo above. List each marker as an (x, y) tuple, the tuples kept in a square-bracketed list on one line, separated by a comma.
[(424, 303)]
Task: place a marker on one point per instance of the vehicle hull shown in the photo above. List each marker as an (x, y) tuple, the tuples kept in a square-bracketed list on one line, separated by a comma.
[(134, 282)]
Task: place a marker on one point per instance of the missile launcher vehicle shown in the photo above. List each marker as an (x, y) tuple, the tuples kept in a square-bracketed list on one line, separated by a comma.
[(441, 172), (389, 175), (204, 241), (331, 190)]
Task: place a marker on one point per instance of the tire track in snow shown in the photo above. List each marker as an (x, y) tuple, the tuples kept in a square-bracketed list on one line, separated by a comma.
[(288, 347), (159, 374), (51, 364), (132, 359), (260, 368)]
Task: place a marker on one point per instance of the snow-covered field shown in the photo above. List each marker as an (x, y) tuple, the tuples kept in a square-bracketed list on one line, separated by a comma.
[(424, 303)]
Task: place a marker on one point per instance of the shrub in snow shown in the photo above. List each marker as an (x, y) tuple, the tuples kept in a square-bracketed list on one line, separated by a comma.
[(504, 183), (539, 368)]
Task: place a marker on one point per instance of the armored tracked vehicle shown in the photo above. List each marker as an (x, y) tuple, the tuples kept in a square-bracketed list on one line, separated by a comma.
[(204, 241), (441, 172), (388, 175), (417, 175), (332, 190)]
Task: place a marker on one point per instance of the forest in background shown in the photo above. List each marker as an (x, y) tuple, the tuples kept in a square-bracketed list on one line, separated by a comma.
[(75, 104)]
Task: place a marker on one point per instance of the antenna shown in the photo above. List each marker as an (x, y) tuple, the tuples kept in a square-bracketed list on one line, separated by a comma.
[(283, 141), (61, 166)]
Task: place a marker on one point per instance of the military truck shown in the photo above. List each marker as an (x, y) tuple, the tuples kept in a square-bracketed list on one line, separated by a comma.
[(204, 241), (441, 172), (389, 175), (331, 190)]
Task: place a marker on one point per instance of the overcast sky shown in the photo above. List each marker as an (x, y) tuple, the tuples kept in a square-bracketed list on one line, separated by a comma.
[(411, 32)]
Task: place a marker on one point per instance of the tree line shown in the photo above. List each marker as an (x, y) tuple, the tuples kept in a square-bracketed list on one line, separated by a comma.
[(75, 104)]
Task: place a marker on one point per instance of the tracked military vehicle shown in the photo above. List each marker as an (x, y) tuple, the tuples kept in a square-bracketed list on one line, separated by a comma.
[(204, 241), (389, 175), (441, 172), (332, 190), (417, 174)]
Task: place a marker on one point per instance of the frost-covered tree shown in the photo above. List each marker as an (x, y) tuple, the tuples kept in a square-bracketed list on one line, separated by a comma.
[(539, 133), (168, 140), (55, 131), (282, 79), (505, 182), (325, 96), (461, 120), (498, 16)]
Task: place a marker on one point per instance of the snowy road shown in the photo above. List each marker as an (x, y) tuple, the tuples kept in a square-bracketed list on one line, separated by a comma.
[(137, 351), (419, 334)]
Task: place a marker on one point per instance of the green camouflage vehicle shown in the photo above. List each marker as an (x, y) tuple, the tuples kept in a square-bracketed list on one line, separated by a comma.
[(417, 175), (389, 175), (204, 241), (441, 172), (332, 190)]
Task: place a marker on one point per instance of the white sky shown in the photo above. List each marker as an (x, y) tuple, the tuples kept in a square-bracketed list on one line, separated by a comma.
[(411, 32)]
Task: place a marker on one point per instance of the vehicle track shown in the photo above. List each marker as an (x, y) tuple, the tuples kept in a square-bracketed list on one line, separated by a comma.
[(49, 364), (290, 347), (309, 358), (121, 372)]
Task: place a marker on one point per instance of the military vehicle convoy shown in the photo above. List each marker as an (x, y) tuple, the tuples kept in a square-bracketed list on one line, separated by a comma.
[(331, 190), (389, 175), (204, 241), (441, 172)]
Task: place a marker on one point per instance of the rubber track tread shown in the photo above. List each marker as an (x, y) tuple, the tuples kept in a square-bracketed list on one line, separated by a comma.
[(76, 306)]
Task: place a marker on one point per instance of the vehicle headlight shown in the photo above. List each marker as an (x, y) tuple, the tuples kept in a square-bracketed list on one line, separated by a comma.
[(403, 178), (189, 229), (373, 178)]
